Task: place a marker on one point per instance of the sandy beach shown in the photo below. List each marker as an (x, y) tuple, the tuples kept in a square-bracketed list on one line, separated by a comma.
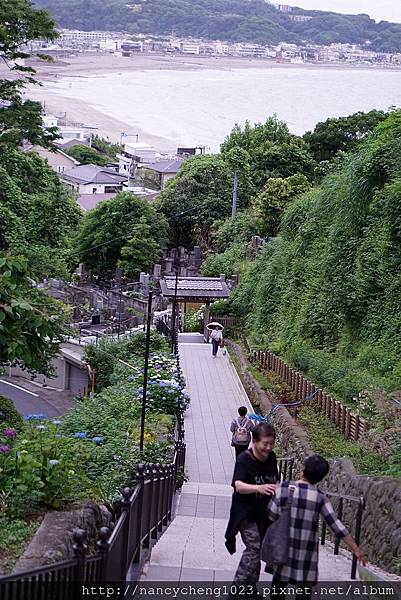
[(59, 100)]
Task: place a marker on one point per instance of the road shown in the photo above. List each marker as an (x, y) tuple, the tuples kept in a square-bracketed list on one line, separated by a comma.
[(29, 398)]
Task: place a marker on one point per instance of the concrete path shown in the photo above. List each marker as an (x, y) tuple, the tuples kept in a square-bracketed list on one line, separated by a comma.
[(192, 548)]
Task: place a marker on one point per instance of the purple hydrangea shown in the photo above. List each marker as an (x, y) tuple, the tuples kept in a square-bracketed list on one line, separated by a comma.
[(10, 433), (5, 448)]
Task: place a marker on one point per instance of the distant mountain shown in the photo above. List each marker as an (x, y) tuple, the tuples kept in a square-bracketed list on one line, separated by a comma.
[(232, 20)]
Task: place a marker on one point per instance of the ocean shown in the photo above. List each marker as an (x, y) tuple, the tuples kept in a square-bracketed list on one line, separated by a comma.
[(188, 108)]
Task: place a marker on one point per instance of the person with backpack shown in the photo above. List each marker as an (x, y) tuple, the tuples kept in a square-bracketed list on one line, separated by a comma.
[(241, 428)]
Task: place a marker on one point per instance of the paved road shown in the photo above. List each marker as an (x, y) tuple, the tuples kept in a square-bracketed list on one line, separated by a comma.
[(29, 398), (192, 548)]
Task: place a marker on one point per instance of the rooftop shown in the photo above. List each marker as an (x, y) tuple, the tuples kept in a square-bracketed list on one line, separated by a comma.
[(93, 174), (166, 166), (195, 287)]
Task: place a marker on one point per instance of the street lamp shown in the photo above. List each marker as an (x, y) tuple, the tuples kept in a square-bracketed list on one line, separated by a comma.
[(173, 315), (145, 371)]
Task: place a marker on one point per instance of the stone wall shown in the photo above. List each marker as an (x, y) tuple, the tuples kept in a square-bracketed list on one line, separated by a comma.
[(381, 524), (53, 540)]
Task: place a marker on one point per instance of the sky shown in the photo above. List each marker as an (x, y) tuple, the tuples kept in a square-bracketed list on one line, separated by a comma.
[(380, 10)]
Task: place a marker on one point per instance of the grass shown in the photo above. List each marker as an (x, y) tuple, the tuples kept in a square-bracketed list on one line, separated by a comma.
[(325, 439), (323, 435), (15, 535)]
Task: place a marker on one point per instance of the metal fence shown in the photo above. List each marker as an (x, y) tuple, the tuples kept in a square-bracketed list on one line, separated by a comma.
[(145, 511), (355, 507), (350, 424)]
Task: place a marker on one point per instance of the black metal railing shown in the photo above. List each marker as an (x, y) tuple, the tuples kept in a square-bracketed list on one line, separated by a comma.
[(355, 516), (145, 511), (285, 468)]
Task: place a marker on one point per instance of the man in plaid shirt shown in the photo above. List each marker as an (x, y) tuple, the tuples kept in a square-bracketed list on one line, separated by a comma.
[(308, 503)]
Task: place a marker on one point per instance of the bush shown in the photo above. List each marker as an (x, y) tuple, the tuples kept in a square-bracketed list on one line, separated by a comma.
[(326, 440), (9, 414)]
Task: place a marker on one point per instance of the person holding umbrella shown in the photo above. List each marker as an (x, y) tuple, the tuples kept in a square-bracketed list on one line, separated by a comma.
[(216, 335)]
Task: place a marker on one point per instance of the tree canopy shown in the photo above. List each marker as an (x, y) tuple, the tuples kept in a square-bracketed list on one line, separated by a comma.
[(31, 323), (109, 227)]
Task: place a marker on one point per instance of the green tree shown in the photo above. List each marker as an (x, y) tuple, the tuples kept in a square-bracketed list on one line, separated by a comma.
[(141, 250), (272, 201), (38, 217), (200, 194), (87, 156), (107, 229), (31, 323), (272, 150), (342, 134), (20, 23), (246, 224)]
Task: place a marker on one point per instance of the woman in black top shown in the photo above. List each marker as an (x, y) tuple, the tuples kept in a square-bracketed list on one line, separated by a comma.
[(254, 481)]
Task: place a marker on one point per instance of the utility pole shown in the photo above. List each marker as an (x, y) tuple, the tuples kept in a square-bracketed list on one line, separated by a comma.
[(145, 371), (235, 194)]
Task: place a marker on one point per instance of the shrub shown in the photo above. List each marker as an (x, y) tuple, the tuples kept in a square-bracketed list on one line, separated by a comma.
[(9, 414)]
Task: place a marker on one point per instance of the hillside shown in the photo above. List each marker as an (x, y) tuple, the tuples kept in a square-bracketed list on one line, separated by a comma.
[(232, 20)]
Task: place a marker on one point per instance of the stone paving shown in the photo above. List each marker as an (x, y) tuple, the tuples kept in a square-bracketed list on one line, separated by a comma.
[(192, 548)]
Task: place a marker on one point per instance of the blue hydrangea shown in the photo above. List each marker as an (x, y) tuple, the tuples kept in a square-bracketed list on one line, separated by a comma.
[(97, 439), (81, 435)]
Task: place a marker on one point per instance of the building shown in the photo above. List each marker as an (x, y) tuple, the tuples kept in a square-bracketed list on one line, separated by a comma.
[(92, 179), (160, 172), (189, 48), (134, 154), (57, 159), (67, 131)]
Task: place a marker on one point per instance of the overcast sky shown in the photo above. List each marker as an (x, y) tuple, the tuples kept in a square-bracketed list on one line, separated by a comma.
[(386, 10)]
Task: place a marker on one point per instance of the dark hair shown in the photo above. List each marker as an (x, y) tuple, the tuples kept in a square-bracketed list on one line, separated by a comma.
[(242, 411), (315, 468), (263, 430)]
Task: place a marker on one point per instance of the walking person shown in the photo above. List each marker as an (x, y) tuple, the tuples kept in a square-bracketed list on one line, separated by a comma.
[(216, 335), (254, 482), (241, 428), (308, 503)]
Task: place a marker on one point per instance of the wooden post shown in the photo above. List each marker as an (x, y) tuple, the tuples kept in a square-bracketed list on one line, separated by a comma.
[(347, 423)]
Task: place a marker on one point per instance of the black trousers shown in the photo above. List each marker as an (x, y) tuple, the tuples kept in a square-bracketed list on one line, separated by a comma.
[(239, 448), (280, 593), (215, 346)]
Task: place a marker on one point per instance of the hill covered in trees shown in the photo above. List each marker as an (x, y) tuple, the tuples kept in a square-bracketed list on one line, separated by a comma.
[(232, 20)]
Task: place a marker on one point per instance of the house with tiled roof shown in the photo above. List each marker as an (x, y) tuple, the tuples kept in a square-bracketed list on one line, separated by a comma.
[(161, 171), (92, 179)]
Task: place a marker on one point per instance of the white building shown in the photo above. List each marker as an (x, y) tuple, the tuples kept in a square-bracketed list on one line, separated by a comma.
[(73, 131), (92, 179), (189, 48), (134, 154)]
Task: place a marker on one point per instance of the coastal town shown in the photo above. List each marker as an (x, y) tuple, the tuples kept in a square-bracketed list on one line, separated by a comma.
[(72, 42)]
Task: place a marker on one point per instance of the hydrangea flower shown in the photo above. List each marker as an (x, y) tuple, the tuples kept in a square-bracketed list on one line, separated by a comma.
[(54, 462), (81, 435), (56, 422), (5, 448), (10, 433), (34, 416), (41, 427), (97, 439)]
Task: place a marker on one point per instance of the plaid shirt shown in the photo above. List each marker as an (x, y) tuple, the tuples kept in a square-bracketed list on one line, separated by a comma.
[(307, 505)]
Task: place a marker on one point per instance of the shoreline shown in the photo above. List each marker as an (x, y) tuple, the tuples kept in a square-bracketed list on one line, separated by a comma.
[(84, 67), (87, 65)]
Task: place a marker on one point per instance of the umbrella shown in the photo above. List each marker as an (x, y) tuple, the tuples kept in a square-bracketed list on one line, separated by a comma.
[(215, 325)]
